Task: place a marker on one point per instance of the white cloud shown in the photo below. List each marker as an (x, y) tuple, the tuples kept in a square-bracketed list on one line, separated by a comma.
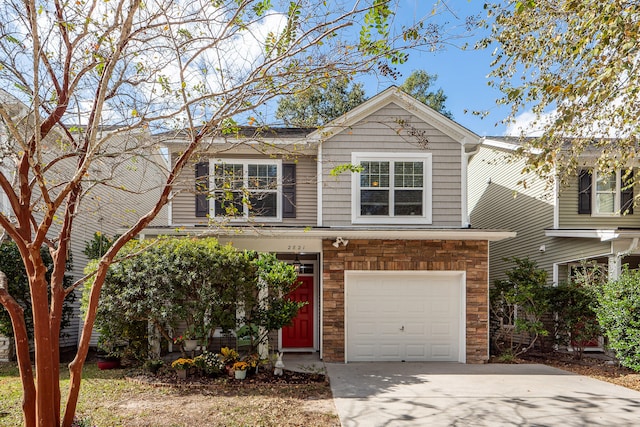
[(529, 124)]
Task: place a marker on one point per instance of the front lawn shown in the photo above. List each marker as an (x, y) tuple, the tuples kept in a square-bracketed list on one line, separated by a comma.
[(109, 399)]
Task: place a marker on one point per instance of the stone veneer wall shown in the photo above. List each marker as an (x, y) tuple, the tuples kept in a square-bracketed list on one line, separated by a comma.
[(437, 255)]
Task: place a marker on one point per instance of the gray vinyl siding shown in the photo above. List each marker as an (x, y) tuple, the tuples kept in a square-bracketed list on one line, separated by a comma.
[(380, 132), (183, 202), (109, 210), (570, 218), (133, 190), (497, 201)]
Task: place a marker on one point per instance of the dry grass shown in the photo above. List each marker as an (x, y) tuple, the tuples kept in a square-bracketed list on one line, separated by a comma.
[(110, 399)]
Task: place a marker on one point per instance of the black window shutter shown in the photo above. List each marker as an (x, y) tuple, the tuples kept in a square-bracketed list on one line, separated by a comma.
[(202, 189), (584, 192), (626, 195), (289, 190)]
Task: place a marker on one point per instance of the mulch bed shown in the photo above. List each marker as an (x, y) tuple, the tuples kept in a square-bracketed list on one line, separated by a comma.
[(168, 378), (591, 365)]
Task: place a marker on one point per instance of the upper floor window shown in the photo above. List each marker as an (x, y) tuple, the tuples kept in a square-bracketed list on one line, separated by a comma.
[(247, 188), (605, 194), (392, 188)]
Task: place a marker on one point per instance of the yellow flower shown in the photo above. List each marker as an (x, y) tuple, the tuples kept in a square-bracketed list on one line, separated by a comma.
[(240, 366), (182, 363)]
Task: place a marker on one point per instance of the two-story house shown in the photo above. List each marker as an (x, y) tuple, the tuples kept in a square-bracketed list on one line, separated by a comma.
[(590, 218), (372, 208), (119, 189)]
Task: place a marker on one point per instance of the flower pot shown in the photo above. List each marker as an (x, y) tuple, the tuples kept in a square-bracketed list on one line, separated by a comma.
[(182, 374), (190, 345), (108, 364), (240, 375)]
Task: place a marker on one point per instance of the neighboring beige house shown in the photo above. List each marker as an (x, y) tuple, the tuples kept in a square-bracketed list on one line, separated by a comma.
[(106, 209), (589, 219), (390, 265)]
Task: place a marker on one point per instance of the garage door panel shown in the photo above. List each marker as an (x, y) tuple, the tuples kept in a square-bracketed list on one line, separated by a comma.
[(364, 329), (442, 330), (366, 352), (441, 352), (390, 350), (416, 352), (391, 317), (389, 328), (418, 329)]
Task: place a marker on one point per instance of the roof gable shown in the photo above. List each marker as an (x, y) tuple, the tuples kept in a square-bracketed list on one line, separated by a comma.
[(394, 95)]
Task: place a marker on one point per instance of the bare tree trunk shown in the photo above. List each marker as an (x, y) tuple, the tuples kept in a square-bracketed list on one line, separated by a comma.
[(46, 384), (16, 313), (75, 367)]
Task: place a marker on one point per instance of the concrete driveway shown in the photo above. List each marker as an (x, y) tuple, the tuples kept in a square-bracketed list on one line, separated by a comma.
[(452, 394)]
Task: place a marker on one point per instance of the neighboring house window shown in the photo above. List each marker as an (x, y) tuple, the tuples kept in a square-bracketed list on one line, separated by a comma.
[(289, 190), (605, 194), (202, 189), (392, 188), (247, 188)]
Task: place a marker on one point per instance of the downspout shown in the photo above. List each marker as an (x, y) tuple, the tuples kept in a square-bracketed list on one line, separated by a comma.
[(556, 201), (319, 186)]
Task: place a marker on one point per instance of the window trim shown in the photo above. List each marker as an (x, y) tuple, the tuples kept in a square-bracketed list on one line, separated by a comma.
[(247, 216), (616, 196), (425, 218), (617, 201), (587, 192)]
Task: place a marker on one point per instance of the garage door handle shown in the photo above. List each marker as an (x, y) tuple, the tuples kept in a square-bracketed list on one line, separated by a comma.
[(402, 329)]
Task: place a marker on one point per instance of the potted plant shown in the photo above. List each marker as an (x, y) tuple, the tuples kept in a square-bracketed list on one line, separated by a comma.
[(191, 337), (188, 341), (109, 353), (229, 356), (240, 370), (153, 365), (181, 366), (253, 360)]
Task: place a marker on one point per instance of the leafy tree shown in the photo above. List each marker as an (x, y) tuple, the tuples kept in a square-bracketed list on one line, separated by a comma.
[(618, 312), (575, 64), (517, 305), (82, 84), (320, 104), (418, 84)]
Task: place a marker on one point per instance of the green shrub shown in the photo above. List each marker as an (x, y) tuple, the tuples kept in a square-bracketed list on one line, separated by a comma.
[(196, 282), (517, 305), (576, 323), (618, 313)]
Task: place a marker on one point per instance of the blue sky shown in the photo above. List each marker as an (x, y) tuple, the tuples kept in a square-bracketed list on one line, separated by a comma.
[(462, 74)]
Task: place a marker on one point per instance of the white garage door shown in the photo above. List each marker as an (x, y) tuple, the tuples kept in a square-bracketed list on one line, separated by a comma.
[(404, 316)]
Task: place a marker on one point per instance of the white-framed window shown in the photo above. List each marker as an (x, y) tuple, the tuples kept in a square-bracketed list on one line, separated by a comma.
[(391, 188), (246, 188), (609, 194), (605, 194)]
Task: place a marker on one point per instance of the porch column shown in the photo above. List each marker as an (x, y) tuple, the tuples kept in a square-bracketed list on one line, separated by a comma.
[(263, 345), (614, 269)]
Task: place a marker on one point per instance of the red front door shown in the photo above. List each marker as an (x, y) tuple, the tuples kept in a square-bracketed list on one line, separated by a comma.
[(300, 333)]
